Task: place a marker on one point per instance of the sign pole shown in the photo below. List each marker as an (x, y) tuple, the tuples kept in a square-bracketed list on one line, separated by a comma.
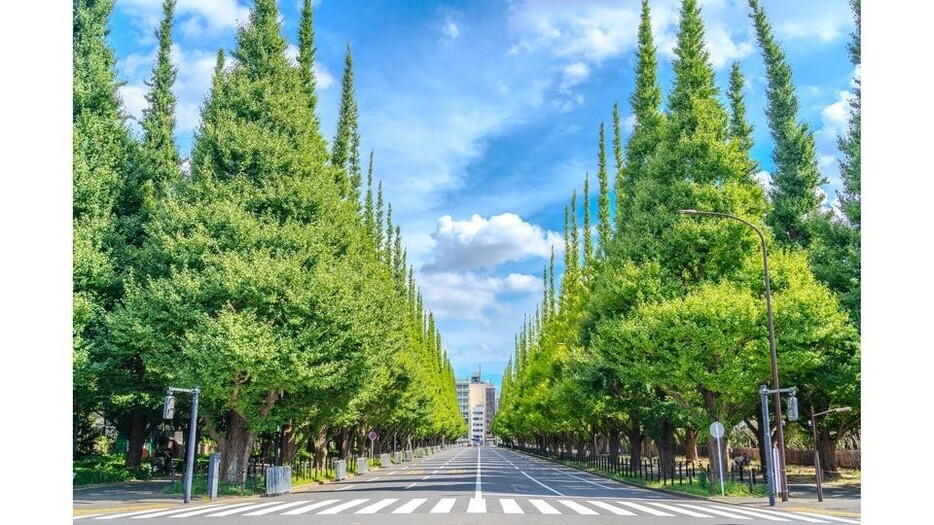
[(716, 430)]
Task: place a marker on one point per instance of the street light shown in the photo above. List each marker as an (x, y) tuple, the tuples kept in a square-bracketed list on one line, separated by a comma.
[(768, 308), (820, 491)]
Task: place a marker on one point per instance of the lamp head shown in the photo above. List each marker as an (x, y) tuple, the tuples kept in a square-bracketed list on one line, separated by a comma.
[(843, 409), (688, 212)]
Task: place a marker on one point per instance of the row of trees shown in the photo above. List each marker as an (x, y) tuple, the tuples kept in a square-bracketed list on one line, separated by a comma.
[(266, 275), (658, 327)]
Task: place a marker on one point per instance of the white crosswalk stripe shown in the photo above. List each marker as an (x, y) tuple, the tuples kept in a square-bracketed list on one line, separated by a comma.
[(716, 510), (543, 507), (615, 510), (577, 507), (410, 507), (309, 508), (510, 506), (670, 508), (444, 506), (344, 506)]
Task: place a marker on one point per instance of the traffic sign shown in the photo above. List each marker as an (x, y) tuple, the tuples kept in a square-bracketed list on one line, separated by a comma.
[(716, 429), (373, 435)]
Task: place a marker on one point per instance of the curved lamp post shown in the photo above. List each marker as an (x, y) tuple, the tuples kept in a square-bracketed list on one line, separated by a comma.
[(768, 308), (820, 491)]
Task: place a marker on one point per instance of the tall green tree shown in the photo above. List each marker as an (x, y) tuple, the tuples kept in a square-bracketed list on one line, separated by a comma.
[(796, 178), (344, 150), (740, 128), (603, 198), (101, 151), (306, 63)]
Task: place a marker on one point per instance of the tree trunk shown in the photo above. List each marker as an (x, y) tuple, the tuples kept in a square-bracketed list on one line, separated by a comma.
[(614, 445), (288, 444), (667, 449), (636, 437), (320, 444), (716, 455), (345, 444), (136, 438), (690, 445), (238, 444), (827, 448)]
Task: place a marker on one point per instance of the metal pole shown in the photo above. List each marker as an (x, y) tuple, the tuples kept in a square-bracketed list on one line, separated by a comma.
[(190, 466), (772, 352), (820, 492), (768, 443)]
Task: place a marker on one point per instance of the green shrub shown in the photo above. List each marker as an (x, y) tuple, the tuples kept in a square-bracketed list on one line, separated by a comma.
[(106, 468)]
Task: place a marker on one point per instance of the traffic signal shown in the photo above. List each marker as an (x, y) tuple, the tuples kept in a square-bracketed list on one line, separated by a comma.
[(792, 407), (168, 409)]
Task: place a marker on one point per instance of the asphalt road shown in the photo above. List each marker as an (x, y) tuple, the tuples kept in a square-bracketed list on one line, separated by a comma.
[(468, 485)]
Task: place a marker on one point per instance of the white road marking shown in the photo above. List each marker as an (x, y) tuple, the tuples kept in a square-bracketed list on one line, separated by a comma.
[(371, 509), (510, 506), (762, 514), (313, 506), (126, 514), (478, 494), (277, 508), (540, 483), (715, 510), (543, 507), (344, 506), (234, 511), (643, 508), (163, 513), (832, 518), (679, 509), (577, 507), (410, 506), (412, 485), (86, 516), (205, 510), (444, 506), (615, 510), (476, 506), (344, 488), (374, 479), (582, 479)]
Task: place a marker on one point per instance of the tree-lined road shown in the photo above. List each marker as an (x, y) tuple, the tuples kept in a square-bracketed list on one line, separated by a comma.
[(471, 485)]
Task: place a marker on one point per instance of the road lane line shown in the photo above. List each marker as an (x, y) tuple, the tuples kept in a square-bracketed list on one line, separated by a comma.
[(543, 507), (372, 509), (582, 479), (766, 514), (612, 508), (277, 508), (313, 506), (412, 485), (715, 510), (163, 513), (643, 508), (344, 488), (410, 506), (540, 483), (478, 494), (444, 506), (374, 479), (234, 511), (578, 508), (510, 506), (476, 506), (344, 506)]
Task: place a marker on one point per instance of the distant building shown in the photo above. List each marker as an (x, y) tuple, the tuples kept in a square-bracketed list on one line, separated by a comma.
[(478, 403)]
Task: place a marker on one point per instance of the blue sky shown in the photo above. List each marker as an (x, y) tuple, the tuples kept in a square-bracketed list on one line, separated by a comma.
[(483, 117)]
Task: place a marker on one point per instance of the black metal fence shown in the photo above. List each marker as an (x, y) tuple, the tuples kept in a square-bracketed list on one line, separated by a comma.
[(685, 472)]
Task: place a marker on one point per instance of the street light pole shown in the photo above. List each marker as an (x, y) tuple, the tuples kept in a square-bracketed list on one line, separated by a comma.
[(817, 469), (773, 355)]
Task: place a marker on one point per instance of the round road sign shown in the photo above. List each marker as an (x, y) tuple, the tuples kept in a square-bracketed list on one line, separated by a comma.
[(716, 429), (372, 436)]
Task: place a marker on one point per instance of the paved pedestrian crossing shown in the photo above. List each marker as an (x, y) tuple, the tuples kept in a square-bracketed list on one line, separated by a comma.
[(489, 505)]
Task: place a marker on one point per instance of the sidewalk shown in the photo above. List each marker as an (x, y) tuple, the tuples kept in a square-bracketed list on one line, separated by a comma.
[(841, 501)]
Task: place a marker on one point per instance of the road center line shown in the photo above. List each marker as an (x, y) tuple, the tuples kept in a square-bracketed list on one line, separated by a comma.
[(478, 494)]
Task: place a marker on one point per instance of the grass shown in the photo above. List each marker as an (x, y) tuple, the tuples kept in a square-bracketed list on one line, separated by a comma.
[(199, 487), (107, 468)]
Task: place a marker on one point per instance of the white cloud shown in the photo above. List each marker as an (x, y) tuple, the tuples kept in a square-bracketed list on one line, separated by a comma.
[(764, 178), (482, 243), (134, 99), (722, 49), (469, 296), (194, 18), (573, 74), (450, 30)]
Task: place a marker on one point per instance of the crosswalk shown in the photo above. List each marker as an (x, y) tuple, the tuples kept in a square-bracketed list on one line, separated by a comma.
[(492, 505)]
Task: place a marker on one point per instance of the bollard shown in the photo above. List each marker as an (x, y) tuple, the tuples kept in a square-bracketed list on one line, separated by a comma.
[(384, 460), (362, 466), (340, 469), (214, 467), (397, 457)]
